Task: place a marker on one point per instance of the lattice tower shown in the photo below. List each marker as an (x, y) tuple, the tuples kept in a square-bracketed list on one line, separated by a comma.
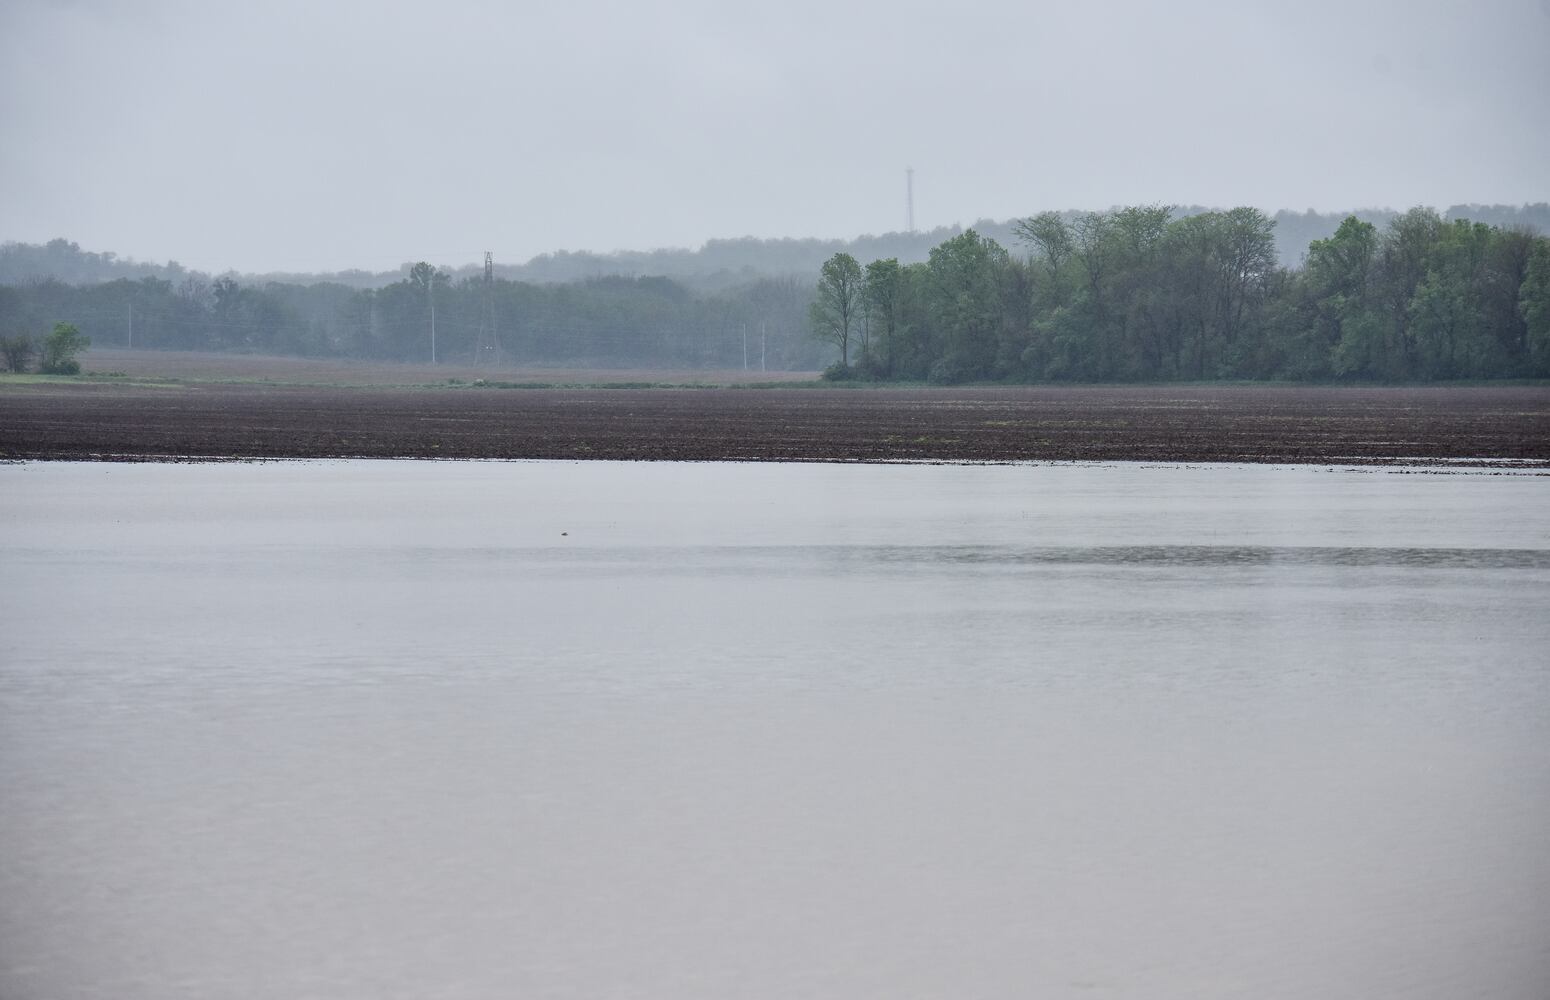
[(487, 350)]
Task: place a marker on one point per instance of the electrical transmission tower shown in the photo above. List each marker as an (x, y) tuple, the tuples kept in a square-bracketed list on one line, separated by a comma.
[(487, 351)]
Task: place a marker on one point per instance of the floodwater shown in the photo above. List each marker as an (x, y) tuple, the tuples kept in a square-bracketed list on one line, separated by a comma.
[(406, 730)]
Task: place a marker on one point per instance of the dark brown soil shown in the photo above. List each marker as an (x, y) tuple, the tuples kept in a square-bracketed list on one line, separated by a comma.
[(1162, 424)]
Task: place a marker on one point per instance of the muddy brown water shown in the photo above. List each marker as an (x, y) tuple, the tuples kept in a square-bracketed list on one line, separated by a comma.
[(466, 730)]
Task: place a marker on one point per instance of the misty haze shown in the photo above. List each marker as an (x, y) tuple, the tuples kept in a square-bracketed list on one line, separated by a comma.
[(828, 500)]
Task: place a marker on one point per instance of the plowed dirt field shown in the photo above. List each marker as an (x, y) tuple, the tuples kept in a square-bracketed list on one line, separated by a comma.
[(192, 420)]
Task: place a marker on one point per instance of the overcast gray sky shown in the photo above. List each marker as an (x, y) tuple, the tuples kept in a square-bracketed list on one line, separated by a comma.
[(317, 135)]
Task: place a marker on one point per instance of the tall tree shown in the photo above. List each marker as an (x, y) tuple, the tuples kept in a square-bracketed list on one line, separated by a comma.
[(1446, 314), (1403, 256), (1048, 234), (1337, 279), (838, 306), (884, 287), (1247, 257), (966, 306), (1534, 303)]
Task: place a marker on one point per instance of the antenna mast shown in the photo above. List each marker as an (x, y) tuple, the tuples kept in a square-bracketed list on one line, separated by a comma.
[(488, 348)]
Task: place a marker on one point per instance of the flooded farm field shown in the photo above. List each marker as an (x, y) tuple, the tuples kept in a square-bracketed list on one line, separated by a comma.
[(364, 729)]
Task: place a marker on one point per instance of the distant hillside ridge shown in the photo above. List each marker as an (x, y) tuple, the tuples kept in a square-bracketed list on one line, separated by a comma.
[(718, 265)]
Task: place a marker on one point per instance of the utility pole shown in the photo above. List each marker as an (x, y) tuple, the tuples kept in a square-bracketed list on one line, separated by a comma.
[(745, 347), (131, 324), (430, 288), (909, 200), (761, 345)]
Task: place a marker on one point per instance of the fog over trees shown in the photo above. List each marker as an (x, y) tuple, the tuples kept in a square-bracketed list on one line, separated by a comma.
[(603, 321), (718, 264), (1132, 294)]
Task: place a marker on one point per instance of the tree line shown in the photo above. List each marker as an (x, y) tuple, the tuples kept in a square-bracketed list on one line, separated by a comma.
[(429, 314), (1142, 294), (1139, 293)]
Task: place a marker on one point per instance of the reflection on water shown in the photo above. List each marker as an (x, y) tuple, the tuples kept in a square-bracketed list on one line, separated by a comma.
[(470, 730)]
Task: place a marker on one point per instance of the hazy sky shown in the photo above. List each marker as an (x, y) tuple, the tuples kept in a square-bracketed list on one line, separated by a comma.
[(319, 135)]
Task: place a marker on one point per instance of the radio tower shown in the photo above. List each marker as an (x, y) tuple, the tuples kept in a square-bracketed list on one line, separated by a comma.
[(488, 348), (909, 200)]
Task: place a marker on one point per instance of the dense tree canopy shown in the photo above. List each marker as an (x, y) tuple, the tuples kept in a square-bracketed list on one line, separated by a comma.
[(1141, 293)]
